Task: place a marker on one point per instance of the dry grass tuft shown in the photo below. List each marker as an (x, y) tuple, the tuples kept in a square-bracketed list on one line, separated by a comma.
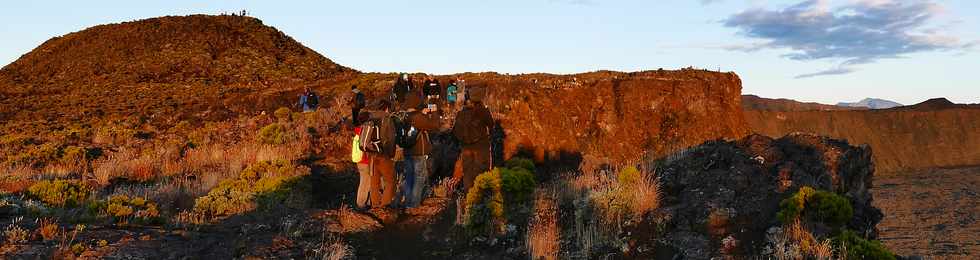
[(605, 202), (15, 234), (47, 229), (794, 241), (543, 237)]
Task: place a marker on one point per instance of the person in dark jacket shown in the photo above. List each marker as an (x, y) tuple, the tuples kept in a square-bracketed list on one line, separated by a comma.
[(420, 122), (432, 88), (472, 129), (402, 87), (357, 103)]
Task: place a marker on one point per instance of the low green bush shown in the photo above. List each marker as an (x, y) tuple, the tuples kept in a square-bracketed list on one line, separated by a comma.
[(860, 248), (275, 133), (263, 183), (126, 209), (497, 192), (518, 184), (485, 204), (520, 163), (59, 193), (823, 206)]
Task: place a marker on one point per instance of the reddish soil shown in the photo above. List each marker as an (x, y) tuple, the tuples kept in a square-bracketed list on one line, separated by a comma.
[(933, 213)]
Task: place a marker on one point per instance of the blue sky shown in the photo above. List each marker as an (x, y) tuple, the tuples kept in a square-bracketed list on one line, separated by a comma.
[(811, 50)]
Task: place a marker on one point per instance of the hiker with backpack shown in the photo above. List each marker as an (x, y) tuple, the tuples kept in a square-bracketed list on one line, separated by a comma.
[(309, 101), (431, 89), (451, 95), (378, 141), (403, 85), (363, 161), (357, 103), (472, 129), (418, 121)]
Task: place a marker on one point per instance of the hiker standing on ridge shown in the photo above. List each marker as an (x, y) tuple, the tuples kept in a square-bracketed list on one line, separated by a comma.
[(431, 90), (357, 103), (308, 101), (472, 128), (401, 88), (451, 95), (363, 161), (419, 121)]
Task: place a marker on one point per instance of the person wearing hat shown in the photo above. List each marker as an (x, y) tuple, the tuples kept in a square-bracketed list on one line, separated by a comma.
[(472, 129)]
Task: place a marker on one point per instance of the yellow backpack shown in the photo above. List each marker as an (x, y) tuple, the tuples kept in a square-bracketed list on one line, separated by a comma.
[(355, 150)]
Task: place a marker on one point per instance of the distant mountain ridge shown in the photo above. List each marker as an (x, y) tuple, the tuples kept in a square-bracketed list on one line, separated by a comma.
[(753, 102), (872, 103)]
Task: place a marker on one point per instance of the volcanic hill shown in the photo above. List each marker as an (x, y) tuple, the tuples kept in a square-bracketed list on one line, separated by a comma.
[(160, 71)]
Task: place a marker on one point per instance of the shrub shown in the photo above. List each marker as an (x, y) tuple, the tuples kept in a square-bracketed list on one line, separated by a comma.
[(517, 184), (485, 204), (38, 155), (61, 193), (497, 191), (283, 114), (275, 133), (823, 206), (126, 209), (263, 183), (74, 154), (520, 163), (860, 248)]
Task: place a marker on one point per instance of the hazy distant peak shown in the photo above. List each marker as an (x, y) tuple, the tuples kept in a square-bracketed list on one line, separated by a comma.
[(872, 103)]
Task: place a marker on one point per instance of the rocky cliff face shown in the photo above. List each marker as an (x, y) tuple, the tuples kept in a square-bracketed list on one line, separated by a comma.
[(616, 116), (600, 116), (914, 137)]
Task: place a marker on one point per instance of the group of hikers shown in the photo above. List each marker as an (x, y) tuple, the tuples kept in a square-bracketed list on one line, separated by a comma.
[(393, 137)]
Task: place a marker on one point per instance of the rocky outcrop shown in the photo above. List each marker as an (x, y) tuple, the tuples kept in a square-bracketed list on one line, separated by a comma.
[(607, 116), (732, 190), (613, 115), (929, 135)]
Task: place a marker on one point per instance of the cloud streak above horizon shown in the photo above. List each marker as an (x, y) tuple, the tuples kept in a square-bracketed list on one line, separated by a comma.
[(861, 32)]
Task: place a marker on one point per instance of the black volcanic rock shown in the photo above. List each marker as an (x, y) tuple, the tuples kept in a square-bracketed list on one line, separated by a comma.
[(742, 183)]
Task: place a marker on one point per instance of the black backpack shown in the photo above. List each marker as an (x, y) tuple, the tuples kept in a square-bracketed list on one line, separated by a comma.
[(359, 100), (312, 100), (405, 134)]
